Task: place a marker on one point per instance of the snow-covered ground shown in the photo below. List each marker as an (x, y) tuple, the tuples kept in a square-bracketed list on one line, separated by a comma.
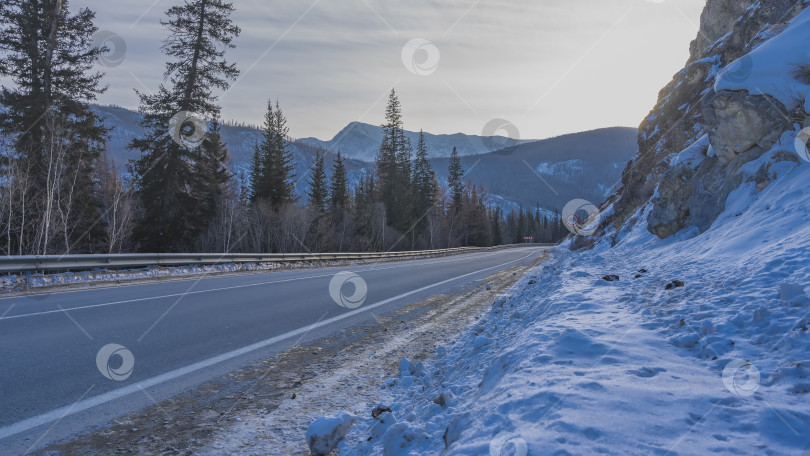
[(571, 363)]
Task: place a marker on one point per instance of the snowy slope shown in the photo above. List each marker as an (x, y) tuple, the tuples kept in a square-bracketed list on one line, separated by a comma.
[(569, 363), (771, 68)]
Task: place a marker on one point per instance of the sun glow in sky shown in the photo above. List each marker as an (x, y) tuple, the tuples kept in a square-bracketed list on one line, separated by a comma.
[(548, 66)]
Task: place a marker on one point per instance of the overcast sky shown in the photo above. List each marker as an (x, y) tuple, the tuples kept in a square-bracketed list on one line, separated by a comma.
[(548, 66)]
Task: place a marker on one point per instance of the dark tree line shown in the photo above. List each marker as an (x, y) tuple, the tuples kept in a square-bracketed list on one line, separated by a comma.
[(60, 193), (52, 140)]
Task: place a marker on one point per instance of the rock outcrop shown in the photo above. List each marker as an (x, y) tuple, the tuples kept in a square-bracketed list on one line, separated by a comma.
[(695, 141), (737, 122), (717, 19)]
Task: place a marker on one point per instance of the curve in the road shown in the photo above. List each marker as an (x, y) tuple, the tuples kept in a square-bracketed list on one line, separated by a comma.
[(425, 271)]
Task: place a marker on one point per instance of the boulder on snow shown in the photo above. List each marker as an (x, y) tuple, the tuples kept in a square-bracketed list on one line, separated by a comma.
[(324, 434), (379, 410)]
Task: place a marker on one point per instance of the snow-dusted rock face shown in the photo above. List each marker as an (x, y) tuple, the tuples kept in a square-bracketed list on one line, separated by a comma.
[(739, 122), (740, 92), (717, 19)]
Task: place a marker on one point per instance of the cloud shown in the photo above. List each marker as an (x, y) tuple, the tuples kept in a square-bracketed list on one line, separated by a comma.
[(580, 64)]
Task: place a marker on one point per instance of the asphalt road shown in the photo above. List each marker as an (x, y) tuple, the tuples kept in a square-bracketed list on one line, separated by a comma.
[(56, 378)]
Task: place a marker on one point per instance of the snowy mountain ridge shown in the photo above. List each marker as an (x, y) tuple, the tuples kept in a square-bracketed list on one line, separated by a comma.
[(362, 141), (603, 154)]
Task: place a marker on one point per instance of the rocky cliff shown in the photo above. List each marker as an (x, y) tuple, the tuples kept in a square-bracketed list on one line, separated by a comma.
[(713, 118)]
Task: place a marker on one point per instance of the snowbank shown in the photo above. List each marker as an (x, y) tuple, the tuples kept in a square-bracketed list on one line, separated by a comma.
[(570, 363)]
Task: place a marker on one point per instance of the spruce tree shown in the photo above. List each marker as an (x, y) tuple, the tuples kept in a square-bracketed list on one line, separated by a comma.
[(212, 171), (365, 200), (255, 192), (497, 233), (477, 225), (272, 169), (175, 147), (423, 191), (455, 180), (318, 195), (339, 188), (56, 137), (393, 167), (521, 225), (318, 191)]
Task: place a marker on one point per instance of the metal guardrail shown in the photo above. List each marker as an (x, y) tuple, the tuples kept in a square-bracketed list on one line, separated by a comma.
[(26, 263)]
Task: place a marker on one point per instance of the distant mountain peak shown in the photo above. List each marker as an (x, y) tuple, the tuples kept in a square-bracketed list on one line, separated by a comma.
[(361, 141)]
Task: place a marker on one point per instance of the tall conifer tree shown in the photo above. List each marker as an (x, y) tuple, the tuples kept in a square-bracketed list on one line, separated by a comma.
[(423, 192), (272, 165), (339, 188), (318, 191), (455, 180), (176, 145), (394, 166), (56, 137)]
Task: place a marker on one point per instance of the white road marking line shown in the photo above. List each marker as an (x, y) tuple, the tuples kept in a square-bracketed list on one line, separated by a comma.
[(85, 404)]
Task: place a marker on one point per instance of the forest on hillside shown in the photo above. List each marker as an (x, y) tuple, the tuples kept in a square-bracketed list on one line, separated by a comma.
[(60, 192)]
